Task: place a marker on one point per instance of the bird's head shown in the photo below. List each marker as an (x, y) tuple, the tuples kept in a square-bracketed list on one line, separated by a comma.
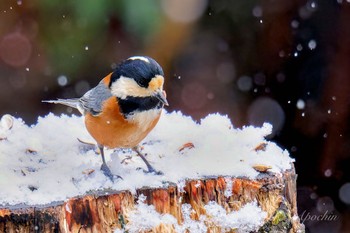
[(138, 76)]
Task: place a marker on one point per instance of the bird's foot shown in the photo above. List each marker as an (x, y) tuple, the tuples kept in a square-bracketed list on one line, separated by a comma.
[(149, 166), (107, 172), (155, 172), (151, 171)]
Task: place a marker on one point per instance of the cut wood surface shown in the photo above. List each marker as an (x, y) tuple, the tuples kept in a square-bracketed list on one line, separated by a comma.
[(108, 210)]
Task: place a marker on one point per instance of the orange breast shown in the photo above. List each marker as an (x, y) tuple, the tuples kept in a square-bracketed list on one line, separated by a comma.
[(112, 130)]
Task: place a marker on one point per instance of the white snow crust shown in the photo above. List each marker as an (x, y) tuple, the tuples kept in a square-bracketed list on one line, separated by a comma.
[(247, 219), (45, 162)]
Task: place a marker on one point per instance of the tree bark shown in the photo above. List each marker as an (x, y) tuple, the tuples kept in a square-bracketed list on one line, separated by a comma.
[(108, 210)]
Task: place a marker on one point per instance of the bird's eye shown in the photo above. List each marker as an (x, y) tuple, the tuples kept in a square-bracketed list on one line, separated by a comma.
[(142, 82)]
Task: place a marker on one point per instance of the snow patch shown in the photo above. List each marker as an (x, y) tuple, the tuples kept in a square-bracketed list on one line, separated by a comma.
[(228, 189), (37, 161), (145, 217), (248, 219)]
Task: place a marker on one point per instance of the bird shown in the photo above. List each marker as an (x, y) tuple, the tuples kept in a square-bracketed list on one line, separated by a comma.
[(124, 107)]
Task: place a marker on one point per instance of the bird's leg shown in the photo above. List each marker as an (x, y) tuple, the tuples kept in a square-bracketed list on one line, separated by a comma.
[(104, 168), (149, 166)]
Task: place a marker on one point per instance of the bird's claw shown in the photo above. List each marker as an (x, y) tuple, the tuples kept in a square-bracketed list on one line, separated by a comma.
[(107, 172), (155, 172), (158, 173), (151, 171)]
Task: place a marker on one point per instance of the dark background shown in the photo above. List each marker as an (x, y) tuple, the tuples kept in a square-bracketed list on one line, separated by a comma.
[(282, 61)]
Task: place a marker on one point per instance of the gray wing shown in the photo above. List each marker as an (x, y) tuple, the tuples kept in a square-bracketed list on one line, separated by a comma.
[(92, 100), (73, 103)]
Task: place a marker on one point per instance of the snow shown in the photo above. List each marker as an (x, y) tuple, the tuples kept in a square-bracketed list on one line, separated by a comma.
[(247, 219), (228, 190), (190, 225), (45, 162), (145, 217)]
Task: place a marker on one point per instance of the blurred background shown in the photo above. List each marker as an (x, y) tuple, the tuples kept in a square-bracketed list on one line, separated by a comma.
[(285, 62)]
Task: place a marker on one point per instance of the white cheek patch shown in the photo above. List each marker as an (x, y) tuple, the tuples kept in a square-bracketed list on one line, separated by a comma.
[(124, 87), (139, 58), (145, 118)]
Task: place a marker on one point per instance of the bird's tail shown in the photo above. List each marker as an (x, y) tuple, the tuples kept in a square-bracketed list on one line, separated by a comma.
[(74, 103)]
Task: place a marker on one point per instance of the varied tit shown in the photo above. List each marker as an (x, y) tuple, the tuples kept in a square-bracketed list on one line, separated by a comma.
[(124, 107)]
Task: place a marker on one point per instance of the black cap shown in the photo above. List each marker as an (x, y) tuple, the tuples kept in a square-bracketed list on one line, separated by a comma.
[(140, 68)]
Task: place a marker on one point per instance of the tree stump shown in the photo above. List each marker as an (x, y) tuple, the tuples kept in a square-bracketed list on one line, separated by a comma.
[(108, 210)]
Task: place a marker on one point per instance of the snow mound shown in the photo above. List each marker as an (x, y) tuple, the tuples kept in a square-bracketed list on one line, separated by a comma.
[(45, 162), (145, 218)]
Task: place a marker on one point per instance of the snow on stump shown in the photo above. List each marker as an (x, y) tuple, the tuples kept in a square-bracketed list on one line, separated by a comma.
[(216, 179)]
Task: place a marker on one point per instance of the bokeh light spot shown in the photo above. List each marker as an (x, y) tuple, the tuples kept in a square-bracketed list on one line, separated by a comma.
[(245, 83), (281, 53), (280, 77), (81, 87), (114, 65), (294, 24), (226, 72), (62, 80), (260, 79), (344, 193), (312, 44), (15, 49), (328, 173), (313, 196), (325, 204), (211, 96), (194, 95), (265, 109), (184, 11), (300, 104), (299, 47), (18, 81), (257, 11)]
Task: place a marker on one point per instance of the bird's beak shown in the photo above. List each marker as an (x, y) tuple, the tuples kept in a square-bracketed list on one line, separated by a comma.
[(161, 95)]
